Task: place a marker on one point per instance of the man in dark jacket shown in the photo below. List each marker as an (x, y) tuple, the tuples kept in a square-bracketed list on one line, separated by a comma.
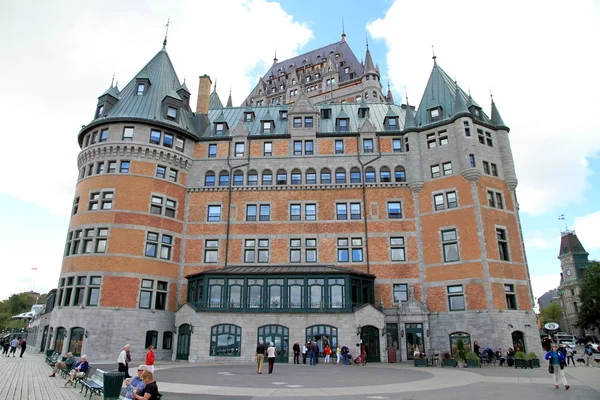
[(296, 349), (67, 364), (23, 347), (313, 353), (261, 349)]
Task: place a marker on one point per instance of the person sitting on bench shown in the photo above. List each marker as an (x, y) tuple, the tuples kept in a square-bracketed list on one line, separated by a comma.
[(80, 370), (67, 364)]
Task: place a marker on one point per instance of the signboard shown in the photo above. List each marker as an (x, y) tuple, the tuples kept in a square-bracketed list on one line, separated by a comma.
[(551, 326)]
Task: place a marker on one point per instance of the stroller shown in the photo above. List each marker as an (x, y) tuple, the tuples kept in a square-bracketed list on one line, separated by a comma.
[(359, 360)]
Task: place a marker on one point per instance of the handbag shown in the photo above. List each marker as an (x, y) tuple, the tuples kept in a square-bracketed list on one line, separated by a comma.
[(551, 368)]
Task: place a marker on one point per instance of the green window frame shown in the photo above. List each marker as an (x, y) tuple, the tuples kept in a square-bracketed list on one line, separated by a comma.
[(225, 340), (151, 339)]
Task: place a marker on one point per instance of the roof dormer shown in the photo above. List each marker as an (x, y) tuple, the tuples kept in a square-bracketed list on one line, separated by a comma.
[(221, 127), (267, 124), (142, 83), (342, 122), (106, 101)]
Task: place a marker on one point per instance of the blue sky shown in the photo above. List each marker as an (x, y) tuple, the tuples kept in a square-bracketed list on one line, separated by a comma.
[(537, 58)]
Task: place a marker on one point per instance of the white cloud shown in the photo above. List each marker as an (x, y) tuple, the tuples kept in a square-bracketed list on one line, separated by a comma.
[(63, 58), (536, 56), (587, 231), (538, 240), (540, 284)]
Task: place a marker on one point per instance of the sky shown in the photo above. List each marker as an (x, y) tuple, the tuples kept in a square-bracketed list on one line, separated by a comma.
[(538, 58)]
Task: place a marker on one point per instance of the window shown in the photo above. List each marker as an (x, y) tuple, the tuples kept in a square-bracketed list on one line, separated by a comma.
[(225, 340), (100, 168), (155, 136), (343, 124), (281, 177), (267, 178), (101, 200), (384, 175), (341, 211), (179, 144), (450, 245), (219, 128), (239, 149), (253, 247), (251, 210), (392, 123), (295, 212), (340, 175), (456, 298), (326, 112), (308, 147), (451, 200), (297, 147), (252, 178), (167, 343), (435, 114), (238, 178), (103, 135), (75, 205), (370, 175), (297, 122), (151, 339), (267, 127), (431, 141), (100, 111), (283, 114), (502, 244), (267, 149), (211, 251), (94, 290), (162, 206), (467, 128), (140, 92), (397, 145), (368, 145), (394, 209), (486, 167), (480, 136), (355, 211), (435, 171), (445, 200), (499, 202), (161, 171), (265, 212), (87, 241), (438, 202), (397, 249), (495, 199), (168, 139), (488, 139), (112, 167), (511, 297), (173, 175), (343, 250), (400, 293), (212, 150), (355, 176), (149, 290), (447, 166), (224, 178), (339, 147), (94, 137), (214, 213), (494, 169), (127, 134), (310, 212), (400, 174), (86, 141), (310, 250), (325, 177), (209, 179), (295, 250), (158, 244), (472, 160), (171, 112), (357, 251)]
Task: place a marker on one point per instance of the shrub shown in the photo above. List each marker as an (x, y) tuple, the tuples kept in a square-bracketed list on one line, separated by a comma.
[(519, 355), (472, 356), (460, 350), (532, 356)]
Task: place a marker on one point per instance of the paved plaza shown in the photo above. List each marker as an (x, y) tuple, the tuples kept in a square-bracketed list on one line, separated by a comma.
[(27, 378)]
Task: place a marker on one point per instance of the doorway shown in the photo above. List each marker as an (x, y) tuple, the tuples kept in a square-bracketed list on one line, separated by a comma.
[(322, 335), (183, 342), (370, 339), (414, 339), (279, 335), (44, 337), (518, 340)]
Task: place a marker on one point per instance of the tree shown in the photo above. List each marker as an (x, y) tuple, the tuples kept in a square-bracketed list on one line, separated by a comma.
[(589, 297), (551, 313)]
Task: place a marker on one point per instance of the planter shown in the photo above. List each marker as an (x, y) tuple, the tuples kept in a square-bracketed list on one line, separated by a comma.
[(448, 362), (460, 363), (420, 362), (521, 364), (473, 364), (535, 363)]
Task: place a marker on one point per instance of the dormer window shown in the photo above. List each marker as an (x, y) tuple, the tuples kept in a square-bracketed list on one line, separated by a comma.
[(260, 92), (267, 127), (435, 114), (220, 128), (392, 123), (171, 112), (308, 78), (283, 115), (363, 112), (358, 99), (293, 81), (140, 89), (326, 113), (475, 111), (342, 124), (248, 116), (100, 111), (347, 70)]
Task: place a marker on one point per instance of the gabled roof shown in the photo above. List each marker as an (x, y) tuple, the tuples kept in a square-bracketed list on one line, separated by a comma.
[(570, 244), (163, 78)]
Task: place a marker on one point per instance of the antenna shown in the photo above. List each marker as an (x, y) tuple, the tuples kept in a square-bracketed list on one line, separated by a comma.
[(367, 39), (167, 31), (343, 30), (113, 80), (433, 52)]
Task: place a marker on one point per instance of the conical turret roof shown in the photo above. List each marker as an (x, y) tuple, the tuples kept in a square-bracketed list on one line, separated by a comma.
[(229, 101), (369, 65), (496, 118), (215, 101)]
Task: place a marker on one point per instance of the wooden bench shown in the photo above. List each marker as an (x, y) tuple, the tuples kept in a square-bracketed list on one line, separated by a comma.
[(95, 384)]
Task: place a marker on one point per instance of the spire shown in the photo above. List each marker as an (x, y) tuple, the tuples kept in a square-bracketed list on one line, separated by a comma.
[(275, 57), (460, 106), (409, 121), (369, 66), (434, 57), (215, 87), (166, 32), (229, 101), (390, 98), (496, 118), (343, 31)]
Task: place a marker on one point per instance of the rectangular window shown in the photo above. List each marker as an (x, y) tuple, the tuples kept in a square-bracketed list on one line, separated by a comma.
[(491, 198), (339, 147), (173, 175), (392, 124), (297, 122), (450, 245), (494, 170), (310, 212), (431, 141), (472, 160), (499, 201), (265, 212), (297, 147), (239, 149), (511, 297), (343, 250), (443, 138), (357, 251), (95, 137), (438, 202), (100, 168), (480, 136), (168, 139), (179, 144), (397, 145), (355, 211), (211, 251), (281, 178), (295, 250), (397, 249), (308, 122), (488, 139), (486, 167), (266, 126), (171, 112), (212, 150), (467, 129), (435, 171), (101, 201), (127, 134), (267, 149), (250, 250), (341, 210), (140, 89), (161, 172), (502, 244), (451, 200), (214, 213), (456, 298), (75, 205), (400, 293), (155, 136), (146, 295), (160, 302), (308, 147), (112, 167), (295, 211), (251, 211), (125, 165), (368, 145), (103, 135), (447, 166), (394, 209)]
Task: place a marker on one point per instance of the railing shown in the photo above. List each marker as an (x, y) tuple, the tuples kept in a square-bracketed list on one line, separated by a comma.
[(274, 307)]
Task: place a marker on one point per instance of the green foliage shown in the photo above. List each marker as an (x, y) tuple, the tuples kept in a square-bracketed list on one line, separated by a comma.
[(552, 313), (472, 356), (519, 355), (460, 350), (589, 306), (16, 304), (532, 356)]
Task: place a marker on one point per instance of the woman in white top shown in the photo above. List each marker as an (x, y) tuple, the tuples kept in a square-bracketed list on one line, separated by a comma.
[(122, 360), (271, 353)]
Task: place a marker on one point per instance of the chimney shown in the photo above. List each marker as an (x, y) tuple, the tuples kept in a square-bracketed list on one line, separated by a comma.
[(203, 94)]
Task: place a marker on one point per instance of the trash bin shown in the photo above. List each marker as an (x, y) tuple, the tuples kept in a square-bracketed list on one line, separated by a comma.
[(49, 352), (113, 382), (392, 355)]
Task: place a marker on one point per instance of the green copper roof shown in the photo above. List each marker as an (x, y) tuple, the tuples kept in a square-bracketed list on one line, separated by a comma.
[(215, 101), (369, 66), (496, 118), (163, 80), (112, 91)]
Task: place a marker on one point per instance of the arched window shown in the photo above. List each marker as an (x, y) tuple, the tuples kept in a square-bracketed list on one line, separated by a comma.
[(400, 174), (322, 334), (315, 293), (296, 177), (366, 95), (225, 340), (267, 177), (275, 288), (215, 292), (60, 339), (255, 288), (76, 341), (281, 177), (252, 178), (151, 339), (224, 178), (340, 175), (209, 179), (355, 175), (311, 177), (325, 176), (374, 94), (167, 343), (336, 292), (235, 292), (384, 175), (238, 178), (358, 99), (295, 293), (370, 175), (466, 338)]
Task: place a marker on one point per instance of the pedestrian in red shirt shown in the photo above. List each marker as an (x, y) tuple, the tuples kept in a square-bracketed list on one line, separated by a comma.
[(150, 359)]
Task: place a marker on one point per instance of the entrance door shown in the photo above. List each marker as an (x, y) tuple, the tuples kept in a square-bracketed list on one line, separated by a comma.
[(279, 335), (370, 339), (414, 339), (183, 342), (518, 341), (44, 337)]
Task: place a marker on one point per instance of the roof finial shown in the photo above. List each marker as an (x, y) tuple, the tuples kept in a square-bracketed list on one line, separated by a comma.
[(166, 32), (343, 31), (113, 80), (433, 51), (215, 89), (275, 57), (367, 39), (117, 85), (491, 95), (406, 94)]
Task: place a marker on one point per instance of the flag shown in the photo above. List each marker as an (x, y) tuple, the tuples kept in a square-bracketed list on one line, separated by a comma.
[(561, 217), (34, 269)]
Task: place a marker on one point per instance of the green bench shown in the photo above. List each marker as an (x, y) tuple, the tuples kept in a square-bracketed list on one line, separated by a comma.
[(51, 360), (95, 384)]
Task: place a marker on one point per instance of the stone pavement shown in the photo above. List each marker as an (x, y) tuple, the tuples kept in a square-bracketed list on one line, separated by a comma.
[(27, 378)]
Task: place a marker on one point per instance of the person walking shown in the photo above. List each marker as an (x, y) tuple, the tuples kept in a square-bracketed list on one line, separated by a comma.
[(570, 356), (338, 354), (313, 353), (588, 352), (122, 361), (271, 353), (150, 359), (304, 353), (13, 346), (23, 347), (296, 349), (127, 361), (345, 351), (327, 352), (260, 356), (557, 359), (5, 348)]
